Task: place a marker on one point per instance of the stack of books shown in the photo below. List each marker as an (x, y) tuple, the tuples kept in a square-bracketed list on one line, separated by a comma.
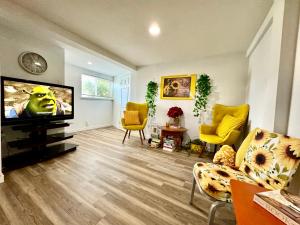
[(169, 145), (155, 143), (281, 204)]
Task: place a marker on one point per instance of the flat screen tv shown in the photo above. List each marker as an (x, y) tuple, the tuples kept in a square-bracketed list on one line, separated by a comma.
[(32, 101)]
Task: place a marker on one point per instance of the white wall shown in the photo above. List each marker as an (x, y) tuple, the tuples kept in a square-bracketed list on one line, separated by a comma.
[(89, 113), (12, 44), (121, 97), (271, 67), (228, 72), (294, 120), (271, 70), (263, 84)]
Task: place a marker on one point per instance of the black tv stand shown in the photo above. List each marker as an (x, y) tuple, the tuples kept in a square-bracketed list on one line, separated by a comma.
[(39, 145)]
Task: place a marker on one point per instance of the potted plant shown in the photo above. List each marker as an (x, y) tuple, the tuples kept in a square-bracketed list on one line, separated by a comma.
[(203, 90), (152, 90), (175, 113), (197, 146)]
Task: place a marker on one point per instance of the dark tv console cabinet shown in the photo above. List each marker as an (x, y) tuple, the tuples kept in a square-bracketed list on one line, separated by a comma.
[(39, 145)]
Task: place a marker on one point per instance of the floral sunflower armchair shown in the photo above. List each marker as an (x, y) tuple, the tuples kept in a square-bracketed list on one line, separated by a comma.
[(265, 159)]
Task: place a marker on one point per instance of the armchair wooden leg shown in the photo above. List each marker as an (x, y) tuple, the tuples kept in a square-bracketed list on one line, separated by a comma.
[(129, 134), (233, 147), (216, 148), (213, 208), (193, 191), (125, 136), (141, 137), (143, 134)]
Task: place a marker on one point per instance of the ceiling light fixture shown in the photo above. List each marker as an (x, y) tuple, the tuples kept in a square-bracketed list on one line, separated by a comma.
[(90, 63), (154, 29)]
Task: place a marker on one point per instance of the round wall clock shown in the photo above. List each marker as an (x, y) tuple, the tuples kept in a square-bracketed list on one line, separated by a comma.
[(33, 63)]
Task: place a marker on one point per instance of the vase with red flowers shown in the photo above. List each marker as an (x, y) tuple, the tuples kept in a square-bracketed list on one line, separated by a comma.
[(175, 113)]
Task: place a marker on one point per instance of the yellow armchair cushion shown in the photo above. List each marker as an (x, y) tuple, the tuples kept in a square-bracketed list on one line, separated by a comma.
[(228, 124), (132, 118)]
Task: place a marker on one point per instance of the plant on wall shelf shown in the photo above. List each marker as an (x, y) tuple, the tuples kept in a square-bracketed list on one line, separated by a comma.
[(203, 90), (152, 90)]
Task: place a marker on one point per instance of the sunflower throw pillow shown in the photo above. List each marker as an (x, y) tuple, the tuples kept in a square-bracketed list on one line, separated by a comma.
[(271, 159), (225, 156)]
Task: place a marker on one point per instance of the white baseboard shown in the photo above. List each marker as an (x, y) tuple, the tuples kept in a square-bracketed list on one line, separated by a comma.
[(88, 128), (1, 178)]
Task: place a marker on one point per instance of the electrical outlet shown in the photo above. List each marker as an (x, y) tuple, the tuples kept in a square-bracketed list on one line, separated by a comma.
[(86, 123)]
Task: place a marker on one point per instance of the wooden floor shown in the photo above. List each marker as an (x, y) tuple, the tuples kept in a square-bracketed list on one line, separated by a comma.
[(106, 183)]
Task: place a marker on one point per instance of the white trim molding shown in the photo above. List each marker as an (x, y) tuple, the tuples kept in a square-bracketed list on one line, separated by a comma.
[(261, 32), (1, 178)]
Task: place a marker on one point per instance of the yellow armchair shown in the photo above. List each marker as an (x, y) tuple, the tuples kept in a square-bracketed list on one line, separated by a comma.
[(209, 134), (143, 118)]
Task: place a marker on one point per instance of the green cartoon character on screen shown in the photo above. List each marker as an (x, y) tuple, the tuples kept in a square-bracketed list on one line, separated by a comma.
[(41, 102)]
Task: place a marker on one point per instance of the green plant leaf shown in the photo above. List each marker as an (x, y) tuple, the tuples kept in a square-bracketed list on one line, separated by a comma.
[(277, 167), (284, 170), (272, 135), (152, 90), (203, 90), (283, 177)]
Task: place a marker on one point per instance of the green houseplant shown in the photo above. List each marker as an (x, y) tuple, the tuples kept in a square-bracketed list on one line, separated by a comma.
[(203, 90), (152, 90)]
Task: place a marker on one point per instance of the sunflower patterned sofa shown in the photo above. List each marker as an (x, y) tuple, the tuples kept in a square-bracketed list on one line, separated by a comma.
[(265, 159)]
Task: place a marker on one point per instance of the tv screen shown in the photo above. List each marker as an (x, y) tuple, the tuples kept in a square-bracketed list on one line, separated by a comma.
[(24, 100)]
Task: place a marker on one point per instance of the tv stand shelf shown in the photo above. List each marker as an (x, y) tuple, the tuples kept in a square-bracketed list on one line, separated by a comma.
[(28, 142), (31, 157), (36, 127), (41, 146)]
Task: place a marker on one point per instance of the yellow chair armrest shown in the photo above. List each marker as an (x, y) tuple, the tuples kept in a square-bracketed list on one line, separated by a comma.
[(144, 122), (232, 137), (123, 122), (208, 129)]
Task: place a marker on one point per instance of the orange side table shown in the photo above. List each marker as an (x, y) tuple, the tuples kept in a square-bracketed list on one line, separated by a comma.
[(247, 212)]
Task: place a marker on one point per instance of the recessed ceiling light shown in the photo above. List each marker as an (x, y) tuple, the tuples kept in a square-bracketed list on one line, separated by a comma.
[(90, 63), (154, 29)]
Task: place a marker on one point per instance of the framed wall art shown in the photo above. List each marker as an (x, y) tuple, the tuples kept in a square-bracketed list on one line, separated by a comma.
[(180, 87)]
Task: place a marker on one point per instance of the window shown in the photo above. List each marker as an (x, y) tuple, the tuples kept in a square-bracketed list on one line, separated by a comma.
[(95, 87)]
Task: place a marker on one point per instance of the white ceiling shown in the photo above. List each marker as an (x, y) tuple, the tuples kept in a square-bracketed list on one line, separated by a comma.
[(189, 28), (101, 65)]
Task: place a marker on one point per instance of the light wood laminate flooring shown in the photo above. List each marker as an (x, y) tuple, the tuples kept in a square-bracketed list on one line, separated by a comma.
[(106, 183)]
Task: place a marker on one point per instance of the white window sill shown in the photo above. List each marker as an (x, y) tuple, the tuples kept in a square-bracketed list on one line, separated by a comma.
[(96, 98)]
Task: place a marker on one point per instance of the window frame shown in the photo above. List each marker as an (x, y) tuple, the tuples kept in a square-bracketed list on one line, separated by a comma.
[(92, 97)]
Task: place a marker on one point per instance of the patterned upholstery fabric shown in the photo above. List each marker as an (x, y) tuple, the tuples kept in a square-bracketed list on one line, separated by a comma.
[(270, 161), (214, 179), (225, 156)]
